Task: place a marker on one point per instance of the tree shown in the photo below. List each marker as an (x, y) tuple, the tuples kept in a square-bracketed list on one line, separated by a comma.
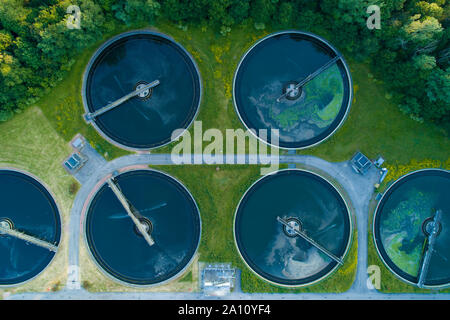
[(430, 9), (422, 32), (438, 93), (285, 14), (262, 10), (218, 13), (13, 16), (135, 10), (5, 40), (424, 62), (239, 10)]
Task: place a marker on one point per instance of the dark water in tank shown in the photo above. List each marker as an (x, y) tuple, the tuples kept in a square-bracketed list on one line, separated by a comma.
[(262, 241), (125, 254), (399, 220), (172, 105), (33, 211), (291, 57)]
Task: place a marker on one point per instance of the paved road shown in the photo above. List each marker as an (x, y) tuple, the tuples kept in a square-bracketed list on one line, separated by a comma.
[(359, 189)]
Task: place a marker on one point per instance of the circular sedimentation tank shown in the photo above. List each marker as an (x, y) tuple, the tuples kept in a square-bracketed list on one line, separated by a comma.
[(268, 215), (29, 210), (295, 82), (128, 63), (169, 215), (404, 220)]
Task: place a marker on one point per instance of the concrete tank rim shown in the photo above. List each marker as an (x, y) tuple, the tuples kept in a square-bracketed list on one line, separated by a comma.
[(110, 41), (331, 47), (329, 273), (179, 274), (375, 212), (47, 189)]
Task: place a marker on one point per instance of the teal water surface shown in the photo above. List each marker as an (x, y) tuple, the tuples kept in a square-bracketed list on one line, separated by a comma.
[(32, 210), (398, 225), (272, 63), (262, 241), (124, 253), (146, 57)]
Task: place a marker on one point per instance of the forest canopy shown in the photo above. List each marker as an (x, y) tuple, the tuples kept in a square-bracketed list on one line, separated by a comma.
[(410, 52)]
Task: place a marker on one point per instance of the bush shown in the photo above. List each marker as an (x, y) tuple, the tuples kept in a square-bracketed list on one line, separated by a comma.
[(73, 188)]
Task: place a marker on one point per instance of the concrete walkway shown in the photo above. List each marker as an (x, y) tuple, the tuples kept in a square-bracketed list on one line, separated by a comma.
[(358, 188)]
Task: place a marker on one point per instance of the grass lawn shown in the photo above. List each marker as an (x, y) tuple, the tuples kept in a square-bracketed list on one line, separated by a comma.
[(29, 142), (376, 126), (63, 107)]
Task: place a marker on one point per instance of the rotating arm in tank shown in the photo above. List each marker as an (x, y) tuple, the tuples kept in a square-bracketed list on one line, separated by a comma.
[(90, 116), (311, 241), (430, 249), (131, 211), (309, 77), (28, 238)]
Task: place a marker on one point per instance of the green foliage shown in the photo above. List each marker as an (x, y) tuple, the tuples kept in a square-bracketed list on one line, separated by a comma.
[(438, 92), (187, 277), (423, 31), (401, 230), (409, 53), (73, 188), (424, 62), (430, 9), (327, 84), (132, 11), (285, 15), (262, 10)]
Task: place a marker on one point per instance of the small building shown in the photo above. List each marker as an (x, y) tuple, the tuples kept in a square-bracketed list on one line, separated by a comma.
[(78, 142), (218, 279), (379, 162), (360, 163), (74, 162)]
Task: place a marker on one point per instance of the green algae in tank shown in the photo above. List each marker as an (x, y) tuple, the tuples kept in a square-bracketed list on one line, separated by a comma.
[(402, 230), (277, 64), (319, 105), (400, 227)]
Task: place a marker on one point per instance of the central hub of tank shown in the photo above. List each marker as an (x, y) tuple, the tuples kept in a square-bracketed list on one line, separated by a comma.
[(148, 226), (6, 223), (146, 94), (428, 226), (292, 91), (294, 225)]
